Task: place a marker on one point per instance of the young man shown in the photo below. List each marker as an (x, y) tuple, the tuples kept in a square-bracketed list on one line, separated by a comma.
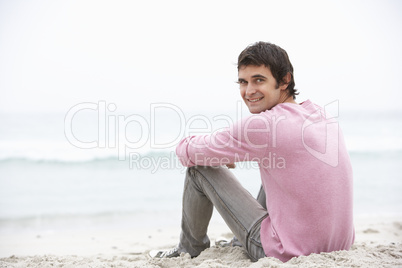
[(305, 202)]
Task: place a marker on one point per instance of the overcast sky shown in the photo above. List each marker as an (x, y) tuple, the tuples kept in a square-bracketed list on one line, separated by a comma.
[(56, 54)]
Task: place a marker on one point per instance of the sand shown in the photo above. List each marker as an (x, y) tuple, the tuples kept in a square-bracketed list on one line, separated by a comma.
[(378, 244)]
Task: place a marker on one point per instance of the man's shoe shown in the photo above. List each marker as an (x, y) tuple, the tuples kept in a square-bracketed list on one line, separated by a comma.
[(172, 253), (223, 242)]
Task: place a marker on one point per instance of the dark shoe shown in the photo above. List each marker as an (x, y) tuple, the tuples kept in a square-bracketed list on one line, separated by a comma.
[(228, 243), (172, 253)]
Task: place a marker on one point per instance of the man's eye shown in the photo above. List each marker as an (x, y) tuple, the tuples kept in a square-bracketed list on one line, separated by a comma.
[(241, 82), (259, 80)]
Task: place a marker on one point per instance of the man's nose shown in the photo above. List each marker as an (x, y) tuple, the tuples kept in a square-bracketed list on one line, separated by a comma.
[(250, 90)]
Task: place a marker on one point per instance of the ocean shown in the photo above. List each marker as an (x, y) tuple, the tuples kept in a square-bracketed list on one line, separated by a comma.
[(95, 165)]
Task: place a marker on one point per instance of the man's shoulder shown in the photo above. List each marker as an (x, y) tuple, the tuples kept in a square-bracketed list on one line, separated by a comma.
[(302, 109)]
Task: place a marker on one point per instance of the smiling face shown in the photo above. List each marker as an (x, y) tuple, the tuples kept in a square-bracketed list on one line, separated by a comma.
[(259, 89)]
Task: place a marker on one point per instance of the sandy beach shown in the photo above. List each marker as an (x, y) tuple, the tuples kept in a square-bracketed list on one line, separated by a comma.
[(95, 96), (378, 244)]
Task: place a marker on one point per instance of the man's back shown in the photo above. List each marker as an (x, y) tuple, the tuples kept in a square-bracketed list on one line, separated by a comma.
[(309, 196)]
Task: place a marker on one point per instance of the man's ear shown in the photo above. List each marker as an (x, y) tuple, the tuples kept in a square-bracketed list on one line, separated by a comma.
[(285, 81)]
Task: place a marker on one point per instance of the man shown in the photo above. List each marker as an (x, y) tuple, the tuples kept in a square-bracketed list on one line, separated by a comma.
[(305, 202)]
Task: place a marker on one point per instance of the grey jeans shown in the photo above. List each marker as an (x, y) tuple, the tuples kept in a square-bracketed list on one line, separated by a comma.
[(208, 187)]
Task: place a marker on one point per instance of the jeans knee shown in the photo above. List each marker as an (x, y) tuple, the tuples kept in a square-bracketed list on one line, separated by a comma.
[(203, 169), (191, 175), (197, 174), (191, 171)]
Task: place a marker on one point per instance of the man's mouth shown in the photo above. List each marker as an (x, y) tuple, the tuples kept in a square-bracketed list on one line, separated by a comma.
[(255, 100)]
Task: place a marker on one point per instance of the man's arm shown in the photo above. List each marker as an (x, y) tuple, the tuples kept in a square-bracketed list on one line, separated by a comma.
[(246, 140)]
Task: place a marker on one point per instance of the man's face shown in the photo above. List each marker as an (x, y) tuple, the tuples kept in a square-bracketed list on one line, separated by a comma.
[(258, 88)]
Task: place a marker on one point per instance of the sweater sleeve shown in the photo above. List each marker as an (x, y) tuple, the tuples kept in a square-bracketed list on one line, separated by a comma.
[(246, 140)]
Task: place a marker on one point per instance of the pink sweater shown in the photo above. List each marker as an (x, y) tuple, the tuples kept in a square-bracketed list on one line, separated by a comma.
[(305, 171)]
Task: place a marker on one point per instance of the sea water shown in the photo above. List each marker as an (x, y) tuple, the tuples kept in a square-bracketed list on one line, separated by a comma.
[(47, 177)]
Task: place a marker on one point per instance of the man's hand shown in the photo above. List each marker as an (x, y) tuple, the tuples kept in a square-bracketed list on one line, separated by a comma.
[(231, 165)]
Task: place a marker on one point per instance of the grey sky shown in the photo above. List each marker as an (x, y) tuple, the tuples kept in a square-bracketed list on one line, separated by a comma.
[(55, 54)]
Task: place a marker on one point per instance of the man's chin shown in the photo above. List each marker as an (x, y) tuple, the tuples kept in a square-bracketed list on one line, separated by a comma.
[(255, 110)]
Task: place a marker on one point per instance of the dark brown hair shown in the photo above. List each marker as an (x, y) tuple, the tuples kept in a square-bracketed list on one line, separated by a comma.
[(274, 58)]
